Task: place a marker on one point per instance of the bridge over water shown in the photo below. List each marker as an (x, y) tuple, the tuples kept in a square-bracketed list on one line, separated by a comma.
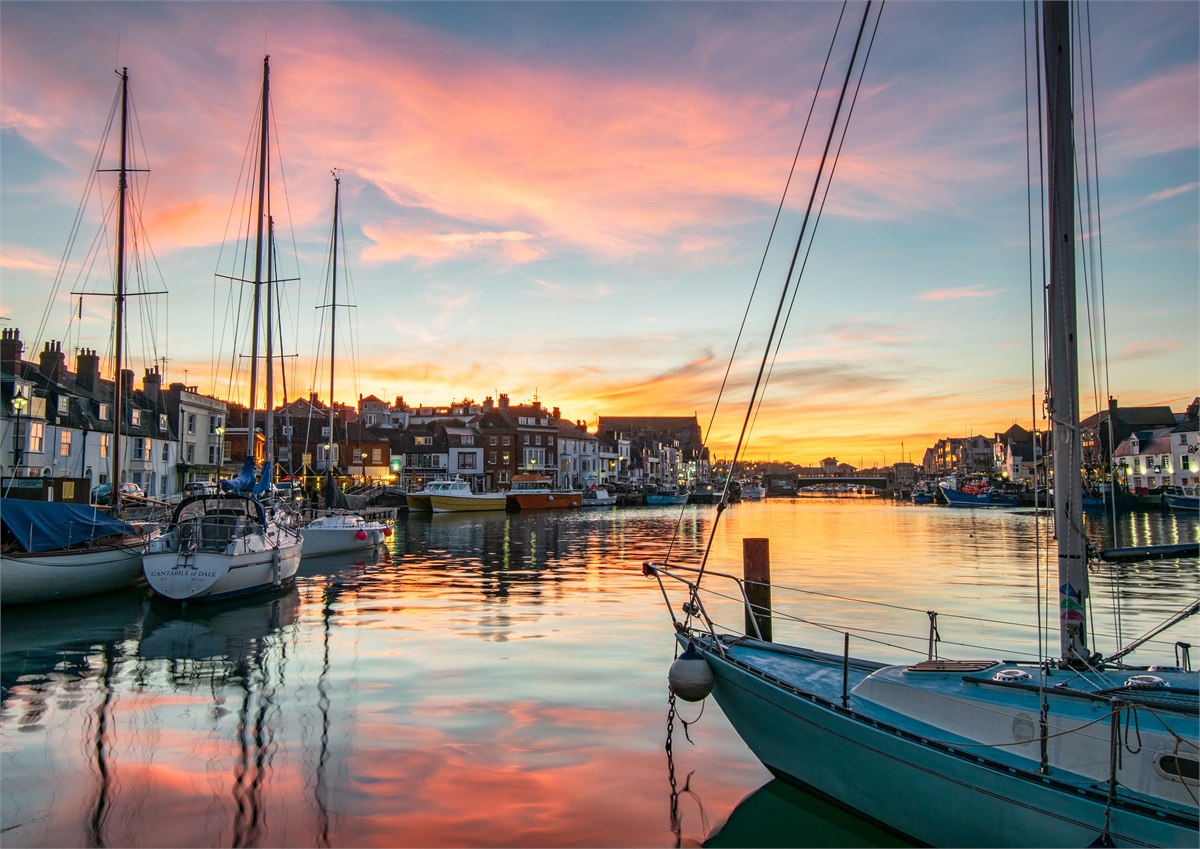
[(789, 484)]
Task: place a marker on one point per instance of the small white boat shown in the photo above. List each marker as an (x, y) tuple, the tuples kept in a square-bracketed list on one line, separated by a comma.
[(599, 497), (752, 491), (57, 551), (340, 532)]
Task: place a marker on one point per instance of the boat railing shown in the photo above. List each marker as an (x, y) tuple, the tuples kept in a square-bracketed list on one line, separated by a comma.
[(694, 606)]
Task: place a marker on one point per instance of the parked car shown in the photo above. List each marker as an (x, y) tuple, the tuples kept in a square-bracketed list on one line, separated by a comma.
[(102, 494), (200, 488)]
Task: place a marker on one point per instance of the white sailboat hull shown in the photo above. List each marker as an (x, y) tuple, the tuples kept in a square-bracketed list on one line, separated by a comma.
[(250, 564), (337, 534), (54, 575)]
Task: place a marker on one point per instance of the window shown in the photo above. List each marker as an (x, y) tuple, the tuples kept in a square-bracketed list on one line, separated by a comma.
[(36, 432), (491, 458), (376, 455), (526, 439), (104, 437), (469, 439), (466, 459), (135, 417), (139, 448), (103, 414), (191, 423), (325, 431), (64, 405), (166, 452), (214, 455), (189, 453), (163, 424), (535, 457), (423, 440), (507, 440), (64, 443), (287, 430), (491, 440), (537, 440), (214, 422)]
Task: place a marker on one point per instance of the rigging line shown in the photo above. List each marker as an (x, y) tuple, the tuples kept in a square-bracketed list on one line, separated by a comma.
[(91, 183), (1041, 625), (791, 268), (820, 211), (774, 224)]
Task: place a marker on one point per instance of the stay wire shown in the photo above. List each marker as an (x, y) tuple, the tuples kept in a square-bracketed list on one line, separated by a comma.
[(783, 295)]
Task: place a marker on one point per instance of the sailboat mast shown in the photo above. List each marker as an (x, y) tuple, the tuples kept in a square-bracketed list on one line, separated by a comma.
[(1063, 394), (119, 299), (337, 186), (258, 256)]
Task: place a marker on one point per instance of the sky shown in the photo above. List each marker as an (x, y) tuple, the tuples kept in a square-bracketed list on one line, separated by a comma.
[(571, 202)]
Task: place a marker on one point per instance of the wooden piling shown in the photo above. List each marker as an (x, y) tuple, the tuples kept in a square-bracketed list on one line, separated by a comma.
[(756, 575)]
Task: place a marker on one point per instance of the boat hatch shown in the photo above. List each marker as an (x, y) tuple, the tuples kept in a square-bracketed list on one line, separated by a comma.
[(951, 666), (1177, 767)]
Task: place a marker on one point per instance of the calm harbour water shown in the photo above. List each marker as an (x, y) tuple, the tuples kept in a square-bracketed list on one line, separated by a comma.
[(499, 680)]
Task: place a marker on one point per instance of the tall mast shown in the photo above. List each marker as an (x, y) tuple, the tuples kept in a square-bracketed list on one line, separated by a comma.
[(1063, 400), (119, 298), (337, 185), (258, 254)]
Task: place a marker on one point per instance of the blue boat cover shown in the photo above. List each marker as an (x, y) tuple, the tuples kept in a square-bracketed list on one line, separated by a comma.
[(244, 482), (50, 525)]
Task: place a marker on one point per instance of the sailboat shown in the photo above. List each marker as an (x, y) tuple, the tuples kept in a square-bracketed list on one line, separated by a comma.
[(235, 542), (338, 529), (1082, 750), (55, 551)]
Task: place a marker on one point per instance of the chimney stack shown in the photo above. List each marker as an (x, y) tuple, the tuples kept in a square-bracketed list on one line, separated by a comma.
[(87, 370), (503, 401), (152, 385), (11, 349), (51, 362), (127, 382)]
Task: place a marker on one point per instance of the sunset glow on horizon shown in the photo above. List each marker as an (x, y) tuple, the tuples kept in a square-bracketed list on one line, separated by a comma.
[(571, 201)]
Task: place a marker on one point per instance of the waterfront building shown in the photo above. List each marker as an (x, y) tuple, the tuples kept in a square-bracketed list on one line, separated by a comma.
[(199, 424), (1016, 454)]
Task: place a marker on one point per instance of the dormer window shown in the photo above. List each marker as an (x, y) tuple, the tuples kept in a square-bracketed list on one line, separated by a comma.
[(64, 405), (163, 423), (135, 417), (103, 413)]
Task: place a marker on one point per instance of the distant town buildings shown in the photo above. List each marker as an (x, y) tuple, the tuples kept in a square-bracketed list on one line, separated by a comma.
[(59, 423)]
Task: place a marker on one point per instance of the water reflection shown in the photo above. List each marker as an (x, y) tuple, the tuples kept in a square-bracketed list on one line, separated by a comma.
[(487, 679)]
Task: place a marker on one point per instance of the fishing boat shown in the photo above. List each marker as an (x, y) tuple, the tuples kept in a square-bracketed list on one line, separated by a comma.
[(419, 501), (666, 495), (599, 496), (1182, 498), (338, 529), (1081, 750), (753, 490), (54, 551), (921, 494), (537, 492), (456, 497), (236, 542), (977, 496)]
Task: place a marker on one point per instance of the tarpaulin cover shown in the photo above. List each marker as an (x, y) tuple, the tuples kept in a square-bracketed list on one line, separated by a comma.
[(244, 482), (50, 525)]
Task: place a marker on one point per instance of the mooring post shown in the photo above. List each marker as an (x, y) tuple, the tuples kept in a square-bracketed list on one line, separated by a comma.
[(756, 575)]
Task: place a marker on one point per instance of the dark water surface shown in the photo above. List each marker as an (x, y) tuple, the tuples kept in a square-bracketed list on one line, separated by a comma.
[(500, 680)]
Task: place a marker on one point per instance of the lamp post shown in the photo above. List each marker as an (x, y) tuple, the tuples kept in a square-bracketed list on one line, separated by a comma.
[(364, 468), (220, 458), (19, 402)]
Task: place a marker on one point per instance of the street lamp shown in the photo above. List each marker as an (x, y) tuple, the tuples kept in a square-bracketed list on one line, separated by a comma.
[(19, 402), (364, 468)]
